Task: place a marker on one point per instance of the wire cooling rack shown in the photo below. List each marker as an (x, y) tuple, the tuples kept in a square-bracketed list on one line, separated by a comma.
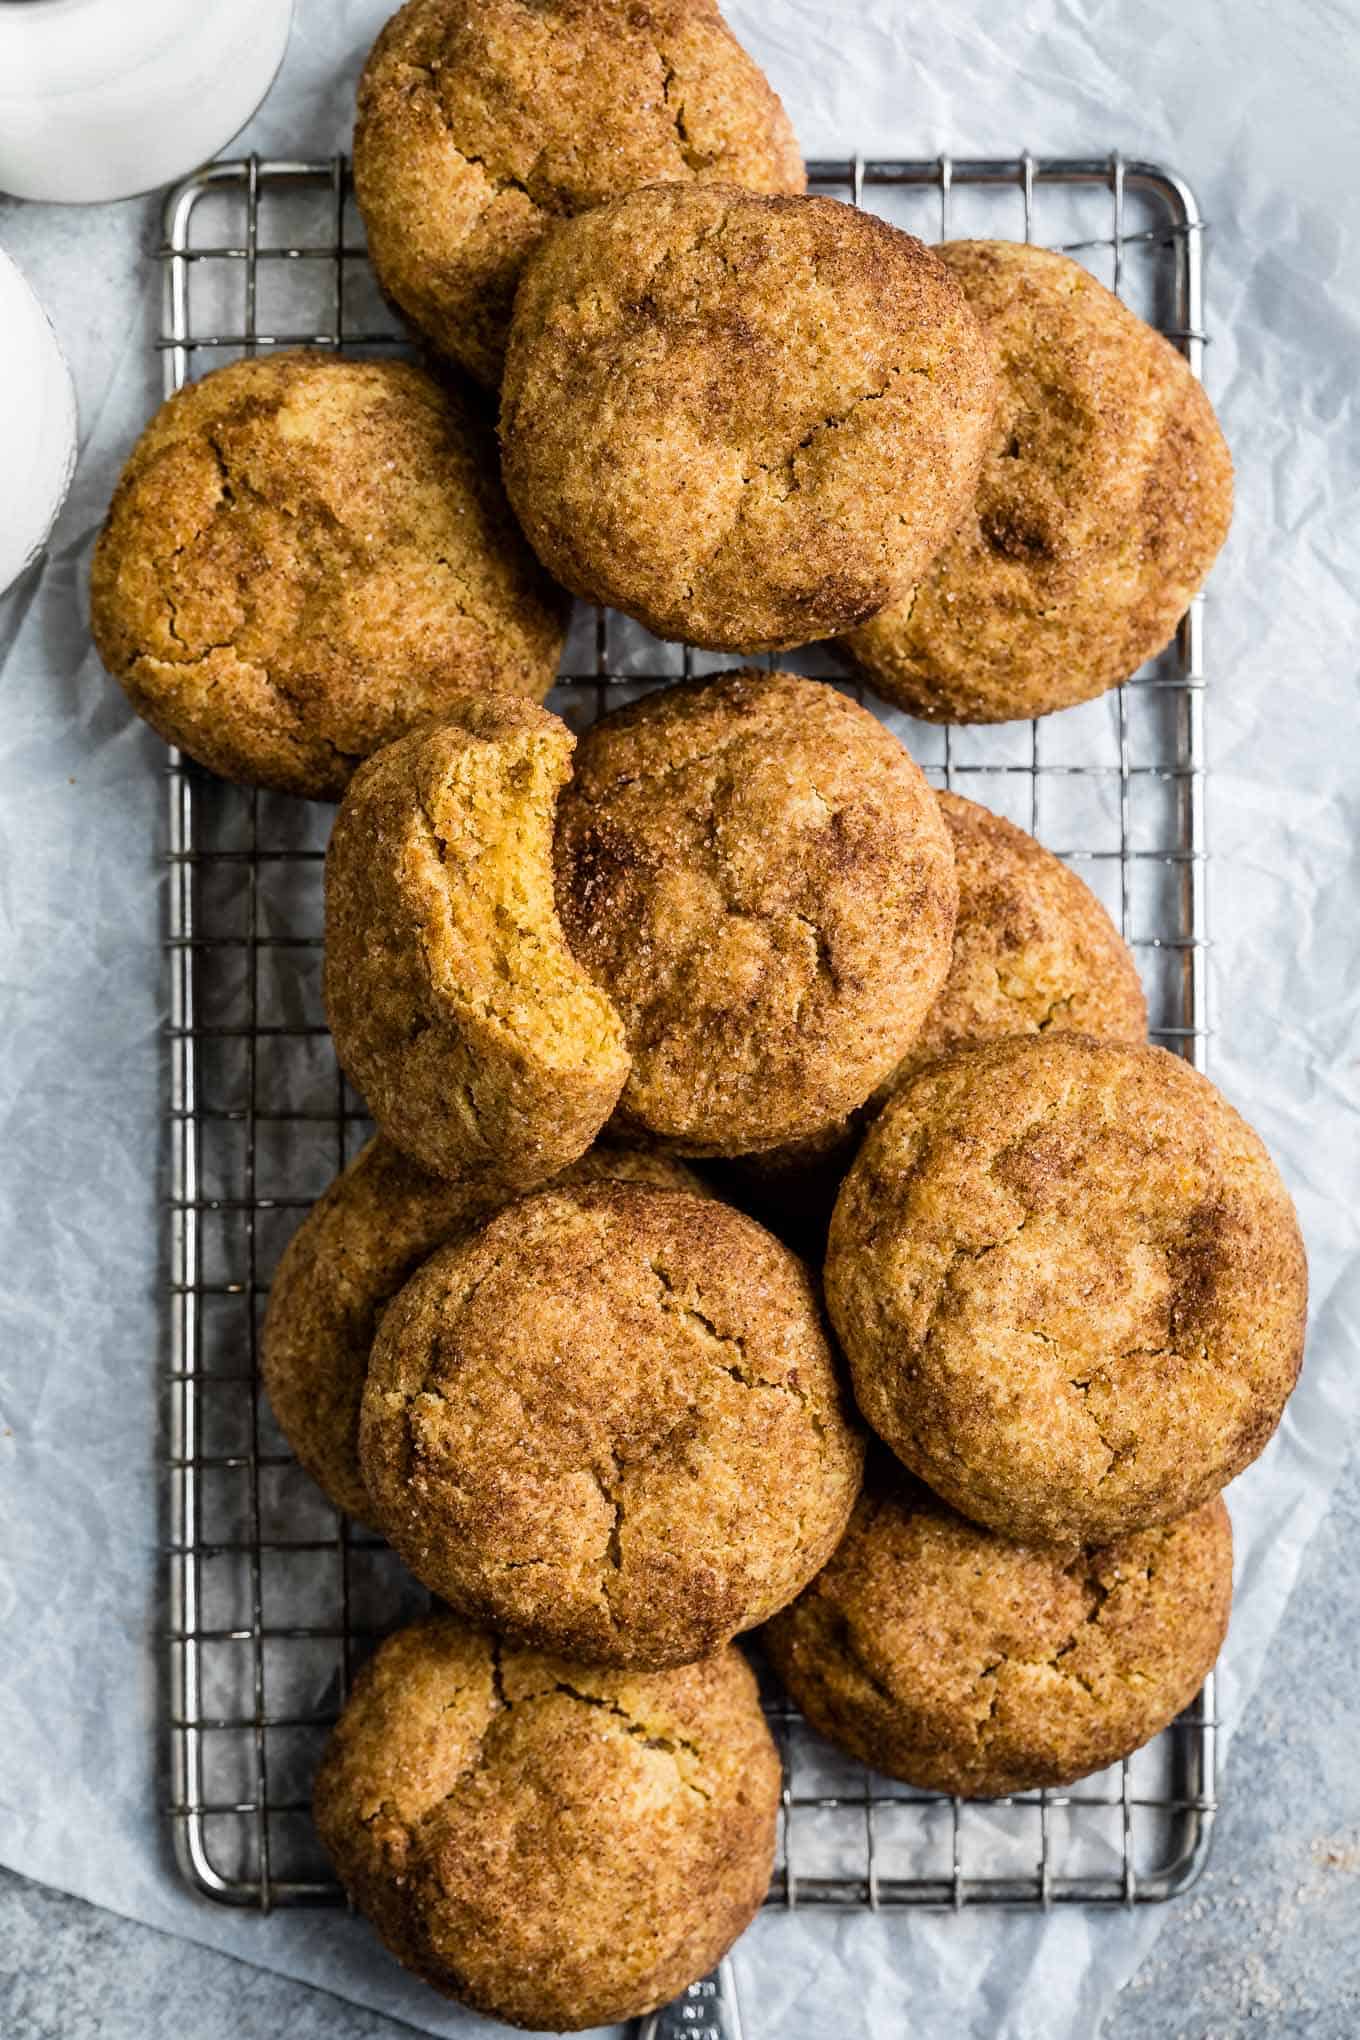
[(273, 1598)]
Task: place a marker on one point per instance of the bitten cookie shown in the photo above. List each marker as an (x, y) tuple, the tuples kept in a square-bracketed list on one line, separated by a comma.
[(610, 1424), (940, 1654), (483, 122), (306, 557), (749, 422), (356, 1247), (1070, 1285), (481, 1046), (1034, 953), (757, 873), (1104, 497), (554, 1845)]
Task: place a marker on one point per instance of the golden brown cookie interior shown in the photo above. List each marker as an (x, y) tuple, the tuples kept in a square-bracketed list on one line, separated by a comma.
[(458, 1010)]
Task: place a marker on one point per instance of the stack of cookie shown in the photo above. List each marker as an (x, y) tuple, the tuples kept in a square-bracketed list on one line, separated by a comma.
[(729, 953)]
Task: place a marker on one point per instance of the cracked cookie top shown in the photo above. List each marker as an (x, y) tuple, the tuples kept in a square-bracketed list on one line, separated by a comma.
[(479, 1044), (1070, 1285), (307, 556), (357, 1245), (558, 1846), (610, 1424), (757, 873), (483, 122), (1103, 499), (747, 421), (944, 1655)]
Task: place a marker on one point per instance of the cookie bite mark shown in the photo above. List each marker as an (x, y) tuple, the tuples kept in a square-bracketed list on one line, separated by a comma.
[(481, 1046)]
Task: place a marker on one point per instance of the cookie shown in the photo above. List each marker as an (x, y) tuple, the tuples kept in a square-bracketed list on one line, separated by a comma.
[(1034, 950), (757, 873), (1034, 953), (358, 1244), (1103, 500), (554, 1845), (306, 557), (941, 1654), (482, 1048), (1070, 1286), (748, 422), (482, 123), (610, 1424)]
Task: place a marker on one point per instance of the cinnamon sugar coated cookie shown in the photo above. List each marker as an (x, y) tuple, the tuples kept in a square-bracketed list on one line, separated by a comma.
[(757, 873), (307, 556), (1103, 500), (480, 1046), (1034, 950), (1070, 1286), (941, 1654), (358, 1244), (483, 122), (1034, 953), (610, 1424), (748, 422), (554, 1845)]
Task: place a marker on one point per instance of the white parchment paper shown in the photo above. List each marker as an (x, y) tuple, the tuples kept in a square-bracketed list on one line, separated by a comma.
[(1252, 105)]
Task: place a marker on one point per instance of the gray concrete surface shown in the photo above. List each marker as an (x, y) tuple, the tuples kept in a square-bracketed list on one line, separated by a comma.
[(1268, 1944)]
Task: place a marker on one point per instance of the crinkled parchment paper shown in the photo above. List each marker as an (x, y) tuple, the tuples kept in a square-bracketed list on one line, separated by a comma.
[(1251, 105)]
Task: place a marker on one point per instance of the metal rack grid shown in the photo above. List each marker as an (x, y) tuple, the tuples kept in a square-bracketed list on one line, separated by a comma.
[(273, 1598)]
